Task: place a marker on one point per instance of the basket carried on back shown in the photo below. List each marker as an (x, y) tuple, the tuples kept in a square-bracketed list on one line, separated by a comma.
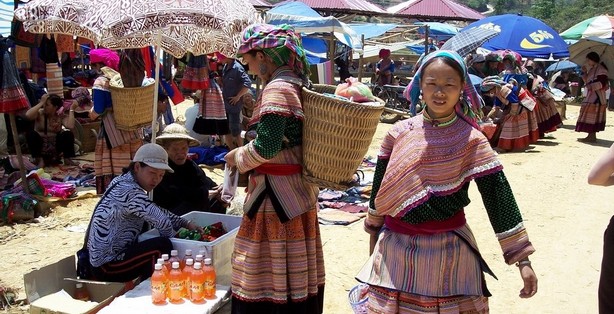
[(336, 136), (132, 106)]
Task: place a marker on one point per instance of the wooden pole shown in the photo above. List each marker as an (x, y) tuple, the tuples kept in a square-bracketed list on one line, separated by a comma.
[(22, 169), (361, 59)]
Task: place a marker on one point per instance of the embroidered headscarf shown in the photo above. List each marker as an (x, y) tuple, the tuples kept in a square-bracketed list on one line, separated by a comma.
[(467, 108), (105, 56), (280, 43)]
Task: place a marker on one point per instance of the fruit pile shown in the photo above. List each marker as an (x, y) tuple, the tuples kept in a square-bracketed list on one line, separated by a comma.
[(210, 233)]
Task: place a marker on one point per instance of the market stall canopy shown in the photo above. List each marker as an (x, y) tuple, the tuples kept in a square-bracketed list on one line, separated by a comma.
[(526, 35), (361, 7), (371, 30), (601, 26), (6, 17), (435, 10), (306, 20), (438, 31), (372, 50)]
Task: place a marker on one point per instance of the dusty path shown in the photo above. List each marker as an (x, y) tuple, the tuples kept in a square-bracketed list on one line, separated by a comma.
[(565, 218)]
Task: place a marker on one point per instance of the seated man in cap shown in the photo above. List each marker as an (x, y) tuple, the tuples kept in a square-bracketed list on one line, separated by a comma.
[(187, 188), (119, 216)]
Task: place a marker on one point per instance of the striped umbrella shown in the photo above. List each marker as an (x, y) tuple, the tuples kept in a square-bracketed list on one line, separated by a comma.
[(601, 26)]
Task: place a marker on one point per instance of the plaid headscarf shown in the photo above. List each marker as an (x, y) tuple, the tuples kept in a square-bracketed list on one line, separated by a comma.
[(467, 108), (280, 43)]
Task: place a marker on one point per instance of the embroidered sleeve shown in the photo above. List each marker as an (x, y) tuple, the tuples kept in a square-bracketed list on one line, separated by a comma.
[(505, 216), (374, 222)]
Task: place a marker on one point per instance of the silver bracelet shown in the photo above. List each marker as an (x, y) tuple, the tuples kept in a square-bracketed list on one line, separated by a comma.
[(523, 263)]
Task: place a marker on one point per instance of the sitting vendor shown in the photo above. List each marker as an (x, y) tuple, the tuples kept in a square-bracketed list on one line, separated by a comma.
[(52, 137), (119, 216), (187, 188)]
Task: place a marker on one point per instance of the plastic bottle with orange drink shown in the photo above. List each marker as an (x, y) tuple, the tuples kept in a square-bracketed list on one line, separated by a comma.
[(209, 285), (158, 285), (187, 271), (197, 281), (188, 255), (176, 284)]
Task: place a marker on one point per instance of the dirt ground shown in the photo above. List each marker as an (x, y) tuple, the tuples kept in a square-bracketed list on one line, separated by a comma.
[(565, 218)]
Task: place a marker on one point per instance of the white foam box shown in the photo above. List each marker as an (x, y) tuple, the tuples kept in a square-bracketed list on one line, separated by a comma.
[(219, 250), (49, 290)]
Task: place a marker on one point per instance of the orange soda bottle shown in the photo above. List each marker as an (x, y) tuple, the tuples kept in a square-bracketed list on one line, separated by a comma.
[(187, 271), (209, 286), (188, 255), (166, 262), (176, 284), (175, 258), (197, 281), (158, 285)]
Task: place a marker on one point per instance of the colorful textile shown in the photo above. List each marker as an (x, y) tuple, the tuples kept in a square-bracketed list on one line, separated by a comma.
[(280, 43), (468, 107), (383, 300), (12, 96), (423, 167), (196, 74)]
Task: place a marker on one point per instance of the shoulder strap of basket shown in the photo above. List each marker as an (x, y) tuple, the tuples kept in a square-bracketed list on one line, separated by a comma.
[(89, 225)]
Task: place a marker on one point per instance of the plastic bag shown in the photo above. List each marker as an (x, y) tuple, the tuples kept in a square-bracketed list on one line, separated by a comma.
[(231, 181), (354, 90)]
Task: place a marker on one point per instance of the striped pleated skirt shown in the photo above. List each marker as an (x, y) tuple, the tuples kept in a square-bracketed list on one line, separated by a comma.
[(278, 266), (437, 273)]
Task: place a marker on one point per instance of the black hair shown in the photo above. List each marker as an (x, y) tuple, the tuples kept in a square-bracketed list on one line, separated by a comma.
[(457, 67), (55, 100), (130, 167)]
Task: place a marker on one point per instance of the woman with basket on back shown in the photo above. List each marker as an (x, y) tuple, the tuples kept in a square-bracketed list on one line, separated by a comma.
[(424, 256), (278, 263), (114, 148)]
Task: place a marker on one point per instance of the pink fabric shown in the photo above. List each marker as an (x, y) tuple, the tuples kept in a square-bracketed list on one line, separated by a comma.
[(108, 57)]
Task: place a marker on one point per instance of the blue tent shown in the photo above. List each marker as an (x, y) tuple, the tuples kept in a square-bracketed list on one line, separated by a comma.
[(438, 31), (305, 20), (528, 36), (371, 30)]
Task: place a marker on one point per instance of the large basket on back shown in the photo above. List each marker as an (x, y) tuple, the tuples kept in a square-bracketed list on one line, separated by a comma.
[(132, 106), (336, 136)]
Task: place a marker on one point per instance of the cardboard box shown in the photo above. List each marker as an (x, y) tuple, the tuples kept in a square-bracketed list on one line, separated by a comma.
[(43, 288), (219, 250)]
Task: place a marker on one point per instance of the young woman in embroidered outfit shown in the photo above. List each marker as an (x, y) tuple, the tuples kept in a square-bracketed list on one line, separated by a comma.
[(424, 256), (277, 263)]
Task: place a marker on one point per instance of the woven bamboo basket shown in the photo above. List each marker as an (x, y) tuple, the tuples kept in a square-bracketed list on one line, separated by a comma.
[(336, 136), (132, 107)]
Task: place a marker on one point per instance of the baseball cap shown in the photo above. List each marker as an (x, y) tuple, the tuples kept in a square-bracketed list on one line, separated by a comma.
[(154, 156)]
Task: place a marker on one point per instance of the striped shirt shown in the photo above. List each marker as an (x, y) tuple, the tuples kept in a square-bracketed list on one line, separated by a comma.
[(119, 217)]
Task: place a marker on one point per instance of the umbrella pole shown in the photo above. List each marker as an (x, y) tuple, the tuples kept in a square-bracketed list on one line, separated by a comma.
[(154, 120), (22, 169), (361, 59)]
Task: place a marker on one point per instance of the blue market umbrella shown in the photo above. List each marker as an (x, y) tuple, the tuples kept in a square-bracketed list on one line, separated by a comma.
[(528, 36), (561, 65)]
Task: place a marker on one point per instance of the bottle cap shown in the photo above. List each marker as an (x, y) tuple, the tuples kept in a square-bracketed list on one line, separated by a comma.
[(175, 265), (207, 261), (174, 252), (158, 267), (79, 285), (165, 256), (188, 252), (199, 257), (198, 265), (189, 261)]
